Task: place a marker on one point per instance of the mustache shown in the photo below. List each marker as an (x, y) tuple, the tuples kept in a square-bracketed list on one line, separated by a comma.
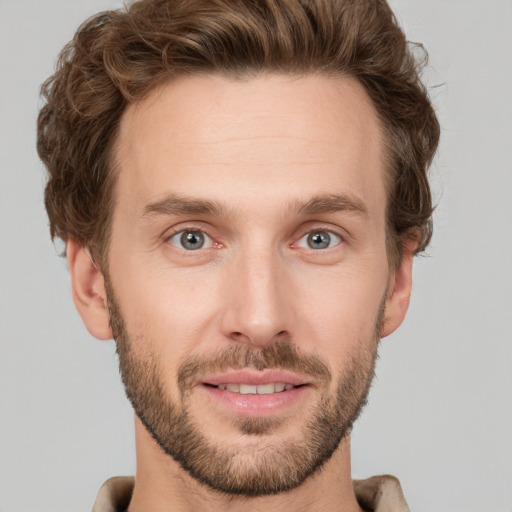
[(281, 355)]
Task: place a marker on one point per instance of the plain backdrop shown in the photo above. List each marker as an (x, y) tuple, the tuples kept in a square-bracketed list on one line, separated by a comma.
[(440, 413)]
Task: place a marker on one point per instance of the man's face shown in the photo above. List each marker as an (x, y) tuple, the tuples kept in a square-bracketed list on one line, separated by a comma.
[(248, 272)]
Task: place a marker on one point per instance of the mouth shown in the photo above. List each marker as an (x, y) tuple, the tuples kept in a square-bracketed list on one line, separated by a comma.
[(256, 393), (253, 389)]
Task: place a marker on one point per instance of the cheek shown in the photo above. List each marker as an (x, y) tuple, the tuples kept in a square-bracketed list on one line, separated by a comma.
[(341, 310), (168, 310)]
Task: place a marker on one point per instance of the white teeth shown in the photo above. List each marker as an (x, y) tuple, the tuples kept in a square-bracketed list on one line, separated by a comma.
[(266, 389), (247, 389), (262, 389)]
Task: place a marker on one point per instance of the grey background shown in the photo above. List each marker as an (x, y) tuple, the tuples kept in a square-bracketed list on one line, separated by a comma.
[(440, 413)]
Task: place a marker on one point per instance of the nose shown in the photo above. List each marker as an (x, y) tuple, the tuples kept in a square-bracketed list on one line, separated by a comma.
[(258, 299)]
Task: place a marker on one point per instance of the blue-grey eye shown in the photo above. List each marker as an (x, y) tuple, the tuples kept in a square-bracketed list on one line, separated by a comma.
[(190, 240), (319, 240)]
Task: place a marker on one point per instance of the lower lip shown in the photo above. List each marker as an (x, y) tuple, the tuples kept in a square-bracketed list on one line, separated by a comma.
[(256, 405)]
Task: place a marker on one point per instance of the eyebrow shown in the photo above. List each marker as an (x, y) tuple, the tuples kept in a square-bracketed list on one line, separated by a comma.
[(177, 205), (332, 203), (174, 204)]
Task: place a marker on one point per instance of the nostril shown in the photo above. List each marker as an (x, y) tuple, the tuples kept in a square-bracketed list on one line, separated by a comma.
[(240, 337)]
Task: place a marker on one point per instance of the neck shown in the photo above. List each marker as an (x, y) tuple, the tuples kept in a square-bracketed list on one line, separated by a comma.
[(161, 485)]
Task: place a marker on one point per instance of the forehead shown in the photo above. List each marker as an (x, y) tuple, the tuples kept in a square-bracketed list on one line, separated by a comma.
[(276, 137)]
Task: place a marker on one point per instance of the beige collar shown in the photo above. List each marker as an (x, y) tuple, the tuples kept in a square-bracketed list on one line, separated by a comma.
[(377, 494), (380, 494)]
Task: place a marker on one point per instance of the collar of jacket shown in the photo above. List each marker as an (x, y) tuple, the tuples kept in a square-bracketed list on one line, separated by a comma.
[(376, 494)]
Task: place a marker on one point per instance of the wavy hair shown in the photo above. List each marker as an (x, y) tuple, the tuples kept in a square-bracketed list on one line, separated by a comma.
[(118, 57)]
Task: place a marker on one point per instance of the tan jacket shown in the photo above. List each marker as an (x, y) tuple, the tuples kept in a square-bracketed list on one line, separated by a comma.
[(377, 494)]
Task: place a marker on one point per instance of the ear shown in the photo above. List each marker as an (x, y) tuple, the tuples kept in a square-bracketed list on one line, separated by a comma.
[(88, 289), (399, 291)]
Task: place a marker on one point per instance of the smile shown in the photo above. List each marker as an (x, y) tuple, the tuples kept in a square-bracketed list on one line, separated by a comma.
[(251, 393), (261, 389)]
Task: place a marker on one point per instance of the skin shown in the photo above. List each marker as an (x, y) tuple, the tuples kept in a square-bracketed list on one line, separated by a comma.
[(262, 149)]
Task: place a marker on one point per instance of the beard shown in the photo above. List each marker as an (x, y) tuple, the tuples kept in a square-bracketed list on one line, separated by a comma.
[(264, 463)]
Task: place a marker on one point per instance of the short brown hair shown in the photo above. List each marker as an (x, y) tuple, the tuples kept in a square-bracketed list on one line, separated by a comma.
[(117, 57)]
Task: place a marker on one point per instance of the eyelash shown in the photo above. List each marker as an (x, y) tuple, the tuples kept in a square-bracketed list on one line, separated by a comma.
[(191, 229), (339, 239)]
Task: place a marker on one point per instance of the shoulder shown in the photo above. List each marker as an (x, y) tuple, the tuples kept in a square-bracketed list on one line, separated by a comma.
[(114, 495), (381, 493)]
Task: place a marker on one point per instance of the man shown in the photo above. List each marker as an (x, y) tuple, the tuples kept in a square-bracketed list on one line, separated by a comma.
[(242, 188)]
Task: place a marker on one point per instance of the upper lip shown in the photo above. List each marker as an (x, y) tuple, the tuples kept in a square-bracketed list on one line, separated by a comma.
[(255, 378)]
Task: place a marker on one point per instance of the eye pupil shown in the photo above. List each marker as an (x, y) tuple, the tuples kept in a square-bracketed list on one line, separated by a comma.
[(192, 240), (319, 240)]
